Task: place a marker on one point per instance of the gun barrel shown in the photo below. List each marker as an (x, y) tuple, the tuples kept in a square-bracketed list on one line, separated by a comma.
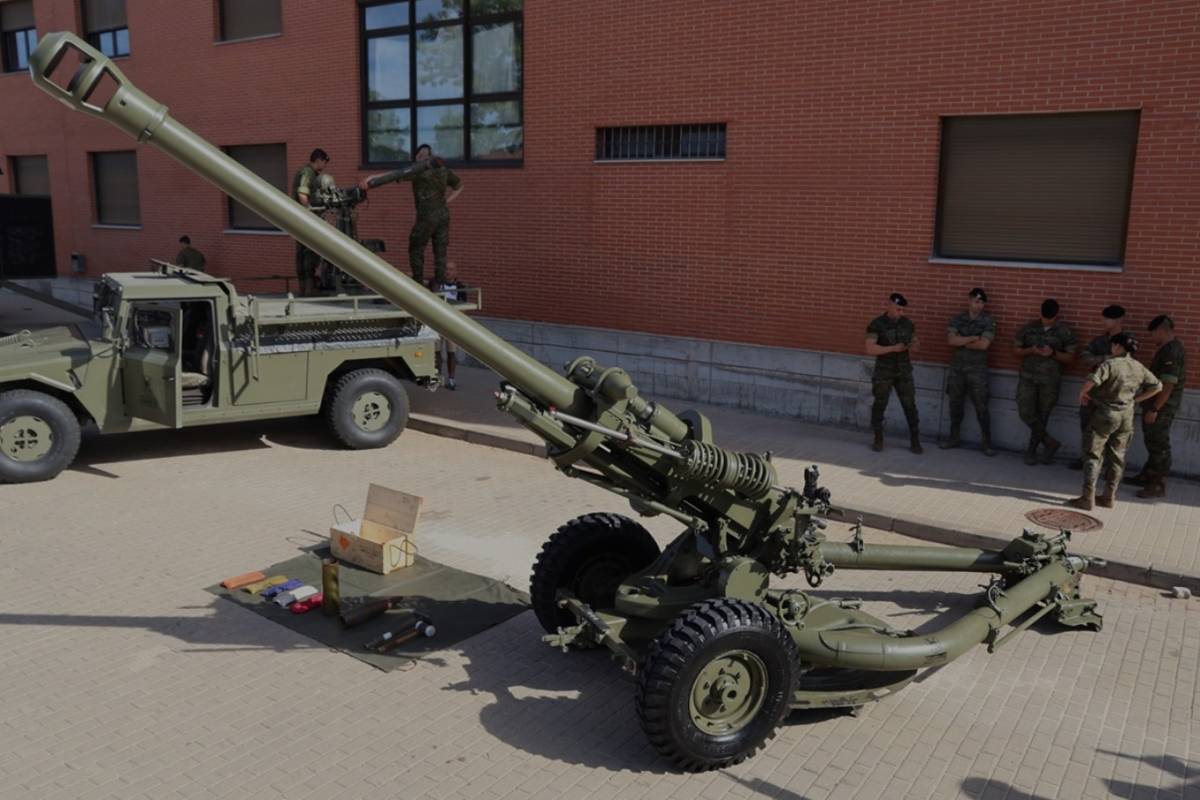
[(147, 120)]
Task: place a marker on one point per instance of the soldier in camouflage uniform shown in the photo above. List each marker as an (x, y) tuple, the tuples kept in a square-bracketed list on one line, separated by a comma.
[(1098, 351), (890, 338), (1170, 368), (1045, 346), (434, 186), (188, 256), (304, 188), (1114, 389), (970, 334)]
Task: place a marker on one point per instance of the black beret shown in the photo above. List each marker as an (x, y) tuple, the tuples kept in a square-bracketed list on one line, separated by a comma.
[(898, 299), (1126, 340), (1113, 312), (977, 292), (1049, 308), (1159, 321)]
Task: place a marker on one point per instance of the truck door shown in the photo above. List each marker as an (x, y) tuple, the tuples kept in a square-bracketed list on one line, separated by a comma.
[(150, 363)]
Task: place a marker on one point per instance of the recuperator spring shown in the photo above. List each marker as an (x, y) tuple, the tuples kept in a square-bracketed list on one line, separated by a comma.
[(746, 473)]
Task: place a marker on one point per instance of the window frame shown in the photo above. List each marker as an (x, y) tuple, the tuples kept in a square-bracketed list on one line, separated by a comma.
[(1093, 265), (8, 48), (95, 157), (467, 22), (93, 36), (267, 227)]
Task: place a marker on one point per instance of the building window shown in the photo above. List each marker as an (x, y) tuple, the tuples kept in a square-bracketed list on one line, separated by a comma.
[(106, 26), (115, 178), (1038, 188), (705, 142), (267, 161), (446, 73), (31, 175), (18, 36), (247, 19)]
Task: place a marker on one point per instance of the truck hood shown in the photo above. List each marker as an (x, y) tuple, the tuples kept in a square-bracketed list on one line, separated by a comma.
[(58, 355)]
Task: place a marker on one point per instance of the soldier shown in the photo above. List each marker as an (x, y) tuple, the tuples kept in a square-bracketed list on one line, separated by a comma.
[(304, 188), (188, 256), (970, 334), (1114, 388), (1159, 413), (434, 187), (1045, 346), (1098, 351), (890, 338)]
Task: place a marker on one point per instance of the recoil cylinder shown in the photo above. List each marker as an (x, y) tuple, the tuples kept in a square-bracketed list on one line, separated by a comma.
[(746, 473)]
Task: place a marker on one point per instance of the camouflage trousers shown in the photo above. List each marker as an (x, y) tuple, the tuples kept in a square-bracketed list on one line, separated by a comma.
[(435, 226), (1036, 397), (306, 269), (882, 383), (961, 384), (1158, 444), (1104, 444)]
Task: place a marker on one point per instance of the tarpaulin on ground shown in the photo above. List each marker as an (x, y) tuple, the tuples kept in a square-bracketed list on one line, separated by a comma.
[(461, 604)]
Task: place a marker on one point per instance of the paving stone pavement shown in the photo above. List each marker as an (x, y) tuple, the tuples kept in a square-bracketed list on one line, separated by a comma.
[(124, 679), (951, 496)]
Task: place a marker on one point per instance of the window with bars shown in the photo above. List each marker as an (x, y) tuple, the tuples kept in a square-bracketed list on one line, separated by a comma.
[(703, 142), (18, 34), (106, 26), (115, 179), (446, 73), (1036, 188), (267, 161), (30, 175), (248, 19)]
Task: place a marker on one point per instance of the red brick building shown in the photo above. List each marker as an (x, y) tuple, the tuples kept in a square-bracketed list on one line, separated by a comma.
[(822, 196)]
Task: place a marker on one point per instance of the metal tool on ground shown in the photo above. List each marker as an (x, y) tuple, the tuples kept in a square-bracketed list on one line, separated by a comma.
[(405, 626), (719, 655), (418, 630), (357, 610)]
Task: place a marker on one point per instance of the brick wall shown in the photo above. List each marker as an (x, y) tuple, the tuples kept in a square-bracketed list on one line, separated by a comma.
[(825, 204)]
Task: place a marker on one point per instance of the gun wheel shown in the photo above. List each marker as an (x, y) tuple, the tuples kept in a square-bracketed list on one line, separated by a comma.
[(589, 557), (716, 684)]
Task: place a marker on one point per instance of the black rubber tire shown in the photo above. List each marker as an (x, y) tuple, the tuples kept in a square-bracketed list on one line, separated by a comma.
[(339, 408), (701, 634), (589, 556), (64, 428)]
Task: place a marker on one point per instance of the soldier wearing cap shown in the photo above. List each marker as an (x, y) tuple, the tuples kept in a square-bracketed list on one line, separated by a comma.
[(1045, 346), (1159, 412), (1098, 351), (970, 334), (1113, 389), (890, 338)]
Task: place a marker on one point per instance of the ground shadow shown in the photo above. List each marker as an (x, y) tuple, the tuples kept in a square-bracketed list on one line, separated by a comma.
[(971, 487), (1188, 773), (977, 787)]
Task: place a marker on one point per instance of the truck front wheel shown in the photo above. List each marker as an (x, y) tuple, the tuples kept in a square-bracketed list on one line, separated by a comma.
[(367, 408), (39, 436)]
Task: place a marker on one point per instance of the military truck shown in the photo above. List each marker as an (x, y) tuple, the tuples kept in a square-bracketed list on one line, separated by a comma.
[(175, 348)]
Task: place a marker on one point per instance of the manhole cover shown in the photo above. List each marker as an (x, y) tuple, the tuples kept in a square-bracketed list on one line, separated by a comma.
[(1064, 519)]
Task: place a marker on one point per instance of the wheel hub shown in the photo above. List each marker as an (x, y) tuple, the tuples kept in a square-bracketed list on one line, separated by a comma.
[(26, 438), (371, 411), (728, 692)]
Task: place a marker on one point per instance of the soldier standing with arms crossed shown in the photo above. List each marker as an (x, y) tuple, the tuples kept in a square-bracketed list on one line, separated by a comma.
[(970, 334), (1098, 351), (1114, 389), (890, 338), (1046, 346), (1158, 414)]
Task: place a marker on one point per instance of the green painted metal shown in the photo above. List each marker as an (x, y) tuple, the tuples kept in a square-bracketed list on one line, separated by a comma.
[(26, 438), (728, 692)]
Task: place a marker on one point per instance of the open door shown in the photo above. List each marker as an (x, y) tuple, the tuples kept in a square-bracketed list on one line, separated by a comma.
[(150, 364)]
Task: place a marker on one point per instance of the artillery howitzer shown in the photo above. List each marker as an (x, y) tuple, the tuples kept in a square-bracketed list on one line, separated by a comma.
[(719, 655)]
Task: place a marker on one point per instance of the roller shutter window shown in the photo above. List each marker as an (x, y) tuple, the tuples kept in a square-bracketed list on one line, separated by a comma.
[(107, 27), (18, 34), (246, 19), (1040, 188), (115, 178), (31, 175), (267, 161)]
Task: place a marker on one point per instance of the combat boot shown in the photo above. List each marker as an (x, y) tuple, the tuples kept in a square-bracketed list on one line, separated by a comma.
[(915, 443), (1143, 478), (986, 445), (1051, 446), (1085, 500), (877, 445), (1109, 498), (1031, 451), (1156, 487), (954, 440)]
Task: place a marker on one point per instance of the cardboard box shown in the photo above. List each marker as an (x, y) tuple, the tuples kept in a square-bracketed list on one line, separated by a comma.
[(382, 541)]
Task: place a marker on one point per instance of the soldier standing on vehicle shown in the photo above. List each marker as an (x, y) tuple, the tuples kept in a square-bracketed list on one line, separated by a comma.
[(1098, 351), (890, 338), (188, 256), (304, 189), (1113, 389), (1045, 346), (1158, 414), (970, 334), (434, 187)]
